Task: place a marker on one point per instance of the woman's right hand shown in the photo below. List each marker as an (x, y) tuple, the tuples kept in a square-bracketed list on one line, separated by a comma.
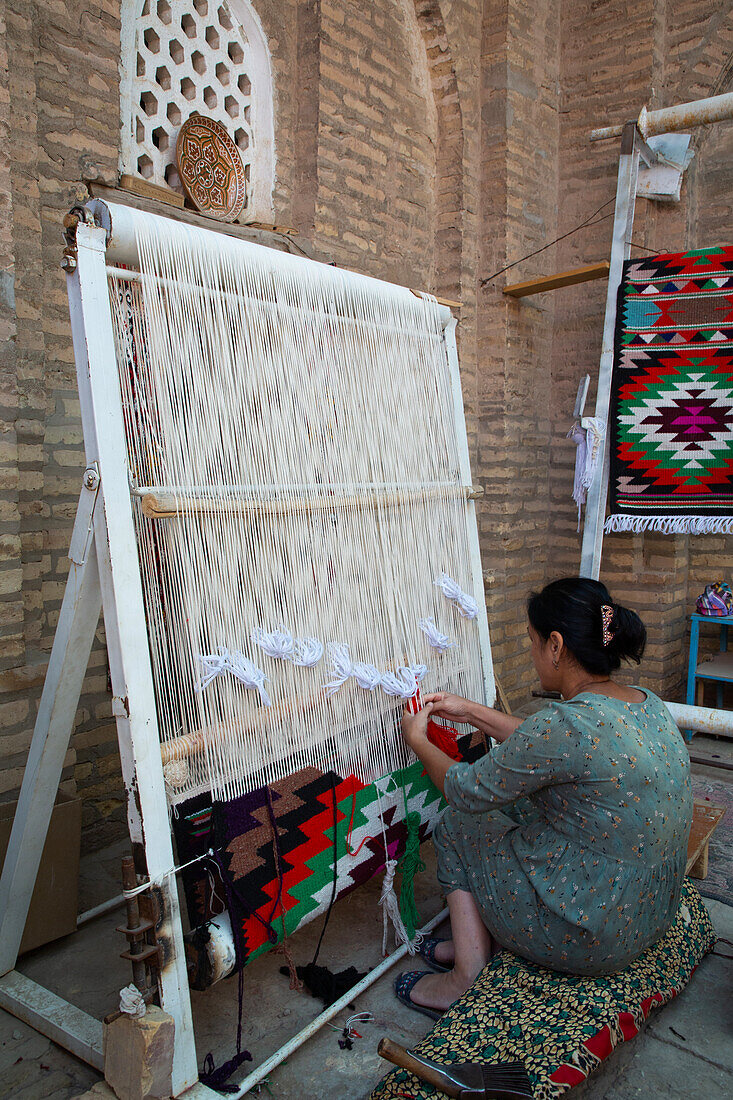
[(450, 706)]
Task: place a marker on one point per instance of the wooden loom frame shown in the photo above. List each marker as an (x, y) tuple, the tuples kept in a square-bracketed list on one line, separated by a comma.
[(105, 576)]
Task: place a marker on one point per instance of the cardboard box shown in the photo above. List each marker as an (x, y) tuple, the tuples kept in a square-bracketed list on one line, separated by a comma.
[(55, 900)]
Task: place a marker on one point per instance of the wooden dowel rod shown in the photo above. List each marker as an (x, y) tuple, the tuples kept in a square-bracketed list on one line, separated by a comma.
[(450, 302), (560, 279), (161, 505), (405, 1059), (191, 744)]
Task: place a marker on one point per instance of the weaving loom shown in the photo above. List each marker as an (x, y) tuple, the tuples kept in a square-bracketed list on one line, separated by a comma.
[(297, 456), (276, 518)]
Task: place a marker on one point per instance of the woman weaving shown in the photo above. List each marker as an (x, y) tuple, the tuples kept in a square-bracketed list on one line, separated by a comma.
[(566, 844)]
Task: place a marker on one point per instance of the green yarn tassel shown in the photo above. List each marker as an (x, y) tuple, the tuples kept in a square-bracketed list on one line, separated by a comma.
[(410, 865)]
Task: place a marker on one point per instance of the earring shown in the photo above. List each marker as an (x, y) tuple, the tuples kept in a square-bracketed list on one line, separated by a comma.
[(555, 664)]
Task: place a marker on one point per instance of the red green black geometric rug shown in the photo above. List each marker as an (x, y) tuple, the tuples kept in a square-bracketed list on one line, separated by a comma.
[(671, 430)]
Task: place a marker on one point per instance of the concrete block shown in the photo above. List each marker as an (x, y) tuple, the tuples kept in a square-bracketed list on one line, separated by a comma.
[(100, 1091), (138, 1056)]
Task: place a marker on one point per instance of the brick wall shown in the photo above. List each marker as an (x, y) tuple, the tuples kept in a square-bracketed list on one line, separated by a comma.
[(54, 128), (422, 141), (520, 133), (656, 54)]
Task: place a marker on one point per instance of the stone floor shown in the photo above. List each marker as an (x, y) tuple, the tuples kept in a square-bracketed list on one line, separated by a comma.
[(685, 1051)]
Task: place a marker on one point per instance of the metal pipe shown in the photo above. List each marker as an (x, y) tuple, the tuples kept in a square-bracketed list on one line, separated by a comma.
[(315, 1025), (667, 120), (701, 719), (98, 910), (709, 762)]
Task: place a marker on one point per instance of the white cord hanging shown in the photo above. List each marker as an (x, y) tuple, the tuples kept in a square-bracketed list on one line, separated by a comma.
[(213, 665)]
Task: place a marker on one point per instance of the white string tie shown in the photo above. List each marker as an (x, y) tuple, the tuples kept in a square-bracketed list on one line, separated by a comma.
[(307, 652), (366, 676), (465, 604), (437, 640), (405, 683), (249, 675), (279, 643), (216, 664), (160, 879), (212, 665), (356, 1018), (341, 667), (132, 1003)]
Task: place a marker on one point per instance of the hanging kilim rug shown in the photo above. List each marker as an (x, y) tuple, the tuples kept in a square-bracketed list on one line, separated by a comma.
[(672, 395)]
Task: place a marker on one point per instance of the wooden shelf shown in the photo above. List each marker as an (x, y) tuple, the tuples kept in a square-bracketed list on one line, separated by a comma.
[(719, 668), (560, 279)]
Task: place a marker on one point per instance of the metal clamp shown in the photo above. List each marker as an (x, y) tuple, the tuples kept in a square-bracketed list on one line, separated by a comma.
[(71, 220), (83, 524)]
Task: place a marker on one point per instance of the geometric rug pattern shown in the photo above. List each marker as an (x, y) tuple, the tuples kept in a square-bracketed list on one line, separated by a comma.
[(277, 846), (671, 429)]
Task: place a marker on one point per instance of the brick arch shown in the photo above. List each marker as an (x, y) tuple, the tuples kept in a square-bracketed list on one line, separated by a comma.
[(449, 153)]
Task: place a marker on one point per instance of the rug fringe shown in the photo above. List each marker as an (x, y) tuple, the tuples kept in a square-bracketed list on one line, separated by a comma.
[(671, 525)]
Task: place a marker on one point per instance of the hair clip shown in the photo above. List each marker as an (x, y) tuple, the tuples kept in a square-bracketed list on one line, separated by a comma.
[(606, 617)]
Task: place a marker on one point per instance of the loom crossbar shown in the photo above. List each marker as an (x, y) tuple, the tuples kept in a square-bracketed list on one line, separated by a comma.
[(163, 505)]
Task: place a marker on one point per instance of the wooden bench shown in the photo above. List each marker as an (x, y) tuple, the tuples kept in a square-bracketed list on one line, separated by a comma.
[(705, 819)]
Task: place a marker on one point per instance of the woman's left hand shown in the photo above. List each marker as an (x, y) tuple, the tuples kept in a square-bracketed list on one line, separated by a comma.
[(415, 726)]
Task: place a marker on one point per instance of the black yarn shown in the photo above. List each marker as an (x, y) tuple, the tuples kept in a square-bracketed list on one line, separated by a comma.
[(572, 607), (314, 960), (218, 1079), (323, 984)]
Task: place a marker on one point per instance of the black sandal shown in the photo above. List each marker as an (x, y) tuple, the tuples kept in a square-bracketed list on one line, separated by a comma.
[(403, 987), (426, 951)]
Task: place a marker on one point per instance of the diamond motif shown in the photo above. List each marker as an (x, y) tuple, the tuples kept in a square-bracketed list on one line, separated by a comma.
[(672, 429)]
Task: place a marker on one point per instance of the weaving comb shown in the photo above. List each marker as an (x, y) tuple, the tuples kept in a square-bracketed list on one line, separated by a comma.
[(465, 1080)]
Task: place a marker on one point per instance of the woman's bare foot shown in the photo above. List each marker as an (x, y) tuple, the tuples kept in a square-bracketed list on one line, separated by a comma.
[(439, 991)]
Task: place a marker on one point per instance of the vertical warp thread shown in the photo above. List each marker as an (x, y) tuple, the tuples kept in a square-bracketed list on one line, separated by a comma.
[(295, 983), (327, 918)]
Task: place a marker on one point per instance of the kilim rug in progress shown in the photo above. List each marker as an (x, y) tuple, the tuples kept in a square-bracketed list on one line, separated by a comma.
[(672, 395), (279, 854)]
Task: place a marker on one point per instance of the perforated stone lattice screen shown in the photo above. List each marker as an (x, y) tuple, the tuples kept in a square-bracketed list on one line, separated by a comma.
[(204, 56)]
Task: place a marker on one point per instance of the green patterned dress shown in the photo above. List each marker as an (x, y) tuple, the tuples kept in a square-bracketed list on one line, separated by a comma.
[(572, 834)]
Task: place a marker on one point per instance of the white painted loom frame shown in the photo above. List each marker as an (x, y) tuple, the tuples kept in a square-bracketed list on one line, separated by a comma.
[(105, 575)]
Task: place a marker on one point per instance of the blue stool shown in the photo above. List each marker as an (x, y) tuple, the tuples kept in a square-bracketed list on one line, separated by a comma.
[(719, 669)]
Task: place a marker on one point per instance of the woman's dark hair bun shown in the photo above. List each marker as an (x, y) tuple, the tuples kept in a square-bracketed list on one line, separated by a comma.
[(574, 607), (629, 634)]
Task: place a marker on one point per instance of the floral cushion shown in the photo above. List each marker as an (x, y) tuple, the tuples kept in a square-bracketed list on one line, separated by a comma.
[(561, 1026)]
